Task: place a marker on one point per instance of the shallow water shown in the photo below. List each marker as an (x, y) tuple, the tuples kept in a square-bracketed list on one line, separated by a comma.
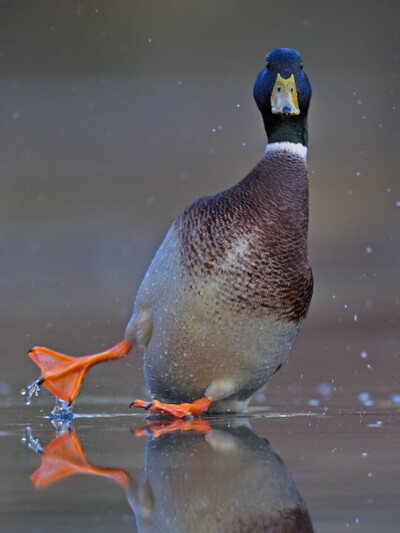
[(345, 468), (343, 462)]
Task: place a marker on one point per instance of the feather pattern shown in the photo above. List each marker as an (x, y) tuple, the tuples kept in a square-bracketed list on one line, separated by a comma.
[(252, 238)]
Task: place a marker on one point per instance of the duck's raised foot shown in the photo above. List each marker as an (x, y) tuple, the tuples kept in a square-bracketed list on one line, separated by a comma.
[(182, 410), (63, 375)]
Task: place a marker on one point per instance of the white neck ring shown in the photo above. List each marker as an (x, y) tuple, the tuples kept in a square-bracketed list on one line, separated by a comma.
[(295, 148)]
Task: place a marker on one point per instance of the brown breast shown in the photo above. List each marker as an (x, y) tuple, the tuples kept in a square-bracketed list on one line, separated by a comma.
[(252, 240)]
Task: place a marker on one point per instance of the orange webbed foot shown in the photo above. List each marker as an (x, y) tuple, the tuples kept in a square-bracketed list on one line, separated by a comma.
[(63, 375), (182, 410), (65, 456)]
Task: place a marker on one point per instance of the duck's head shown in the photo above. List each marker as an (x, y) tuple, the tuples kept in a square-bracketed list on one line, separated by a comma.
[(282, 93)]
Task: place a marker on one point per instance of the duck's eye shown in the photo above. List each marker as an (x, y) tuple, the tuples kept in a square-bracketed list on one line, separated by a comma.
[(291, 90), (279, 89), (301, 66), (267, 64)]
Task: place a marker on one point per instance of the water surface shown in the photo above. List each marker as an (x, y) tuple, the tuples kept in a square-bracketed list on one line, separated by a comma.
[(342, 467)]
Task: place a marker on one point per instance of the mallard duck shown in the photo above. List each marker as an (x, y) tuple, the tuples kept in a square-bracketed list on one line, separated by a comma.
[(227, 291)]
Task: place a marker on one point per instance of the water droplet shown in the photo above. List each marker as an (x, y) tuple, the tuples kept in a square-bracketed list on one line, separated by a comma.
[(324, 389), (368, 249), (31, 390), (358, 173), (313, 402), (364, 396), (364, 355)]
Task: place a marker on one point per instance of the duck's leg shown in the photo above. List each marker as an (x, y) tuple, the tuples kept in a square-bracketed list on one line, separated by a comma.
[(63, 375)]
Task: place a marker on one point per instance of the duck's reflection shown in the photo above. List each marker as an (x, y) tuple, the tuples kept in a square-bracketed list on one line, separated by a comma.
[(199, 477)]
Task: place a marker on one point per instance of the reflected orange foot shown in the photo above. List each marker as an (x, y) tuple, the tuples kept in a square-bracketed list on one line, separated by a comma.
[(156, 429), (181, 410), (65, 456), (63, 375)]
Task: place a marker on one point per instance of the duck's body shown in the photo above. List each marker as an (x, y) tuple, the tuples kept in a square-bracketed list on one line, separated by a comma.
[(228, 289)]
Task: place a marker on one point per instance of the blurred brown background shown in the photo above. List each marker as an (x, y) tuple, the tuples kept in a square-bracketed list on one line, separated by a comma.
[(114, 115)]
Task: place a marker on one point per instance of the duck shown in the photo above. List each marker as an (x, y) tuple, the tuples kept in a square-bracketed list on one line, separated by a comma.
[(229, 288)]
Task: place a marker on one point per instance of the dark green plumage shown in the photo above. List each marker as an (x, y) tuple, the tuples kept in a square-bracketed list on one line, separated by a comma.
[(281, 128)]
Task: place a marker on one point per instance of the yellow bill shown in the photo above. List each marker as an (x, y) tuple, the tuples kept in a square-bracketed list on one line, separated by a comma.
[(284, 96)]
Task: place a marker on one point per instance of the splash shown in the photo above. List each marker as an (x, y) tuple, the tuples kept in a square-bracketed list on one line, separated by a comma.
[(32, 443), (62, 425), (32, 390), (63, 411)]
